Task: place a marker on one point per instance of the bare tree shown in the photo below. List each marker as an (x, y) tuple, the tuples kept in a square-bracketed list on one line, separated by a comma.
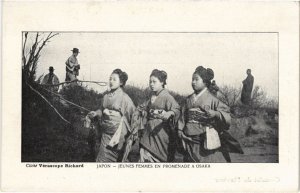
[(30, 59), (259, 97), (229, 95)]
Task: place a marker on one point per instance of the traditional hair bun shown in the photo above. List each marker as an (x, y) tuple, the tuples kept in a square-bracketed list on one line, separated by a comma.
[(206, 74), (164, 73), (117, 71), (161, 75), (154, 71), (122, 75), (200, 68), (209, 74)]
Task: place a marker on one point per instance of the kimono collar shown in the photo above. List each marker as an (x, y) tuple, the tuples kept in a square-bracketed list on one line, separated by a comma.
[(116, 92), (196, 96), (155, 95), (158, 93)]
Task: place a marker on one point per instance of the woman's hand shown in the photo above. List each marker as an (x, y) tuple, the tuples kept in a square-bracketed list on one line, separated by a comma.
[(87, 122), (92, 114), (166, 115), (208, 112), (106, 112), (211, 114)]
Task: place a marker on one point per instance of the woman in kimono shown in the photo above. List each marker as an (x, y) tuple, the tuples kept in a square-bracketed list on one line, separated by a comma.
[(203, 111), (161, 112), (115, 116)]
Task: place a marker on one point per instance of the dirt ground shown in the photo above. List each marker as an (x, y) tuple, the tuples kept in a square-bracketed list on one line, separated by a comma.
[(255, 154)]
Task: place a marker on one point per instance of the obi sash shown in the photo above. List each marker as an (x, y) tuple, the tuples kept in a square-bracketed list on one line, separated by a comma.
[(153, 118), (110, 121), (196, 115), (119, 137), (115, 124), (196, 122)]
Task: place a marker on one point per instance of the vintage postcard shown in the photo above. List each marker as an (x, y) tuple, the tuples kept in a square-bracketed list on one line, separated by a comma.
[(173, 96)]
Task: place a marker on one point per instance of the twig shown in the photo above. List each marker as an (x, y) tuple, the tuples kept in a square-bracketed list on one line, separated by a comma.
[(24, 45), (97, 82), (67, 82), (67, 100), (37, 92), (44, 43)]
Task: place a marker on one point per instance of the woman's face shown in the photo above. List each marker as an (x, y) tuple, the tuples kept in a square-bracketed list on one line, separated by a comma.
[(197, 83), (114, 81), (155, 84)]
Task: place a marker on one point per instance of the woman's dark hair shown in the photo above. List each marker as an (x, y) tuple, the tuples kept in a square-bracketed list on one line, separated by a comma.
[(206, 74), (122, 75), (161, 75)]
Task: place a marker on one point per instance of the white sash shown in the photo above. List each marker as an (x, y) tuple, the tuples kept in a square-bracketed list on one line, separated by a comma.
[(116, 137)]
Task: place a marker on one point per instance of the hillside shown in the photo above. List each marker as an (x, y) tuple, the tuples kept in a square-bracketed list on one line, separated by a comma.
[(46, 138)]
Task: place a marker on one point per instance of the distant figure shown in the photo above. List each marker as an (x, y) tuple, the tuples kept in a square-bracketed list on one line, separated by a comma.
[(72, 66), (51, 79), (214, 88), (247, 88)]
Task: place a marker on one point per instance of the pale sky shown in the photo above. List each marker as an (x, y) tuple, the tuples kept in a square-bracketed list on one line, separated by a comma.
[(228, 54)]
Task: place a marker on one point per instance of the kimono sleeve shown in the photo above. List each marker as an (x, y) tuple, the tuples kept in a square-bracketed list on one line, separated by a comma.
[(129, 108), (223, 118), (182, 118), (144, 106), (172, 105), (100, 107), (139, 117)]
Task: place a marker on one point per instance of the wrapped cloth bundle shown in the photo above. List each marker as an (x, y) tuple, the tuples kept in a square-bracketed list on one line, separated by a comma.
[(212, 140), (156, 113), (87, 122)]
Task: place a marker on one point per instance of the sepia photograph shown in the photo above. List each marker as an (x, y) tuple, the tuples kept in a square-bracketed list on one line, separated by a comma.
[(204, 97), (149, 96)]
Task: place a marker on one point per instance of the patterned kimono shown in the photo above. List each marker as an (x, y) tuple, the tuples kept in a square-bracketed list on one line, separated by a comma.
[(194, 123), (117, 110), (157, 142)]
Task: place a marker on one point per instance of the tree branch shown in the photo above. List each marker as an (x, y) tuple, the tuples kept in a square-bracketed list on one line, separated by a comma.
[(37, 92), (24, 47)]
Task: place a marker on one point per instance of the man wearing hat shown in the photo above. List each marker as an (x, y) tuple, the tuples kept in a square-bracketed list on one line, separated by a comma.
[(72, 66), (51, 79)]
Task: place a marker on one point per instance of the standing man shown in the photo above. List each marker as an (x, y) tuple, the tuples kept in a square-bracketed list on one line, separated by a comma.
[(72, 66), (51, 79), (247, 88)]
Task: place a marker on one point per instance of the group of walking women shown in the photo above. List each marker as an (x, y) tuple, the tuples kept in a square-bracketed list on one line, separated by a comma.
[(160, 125)]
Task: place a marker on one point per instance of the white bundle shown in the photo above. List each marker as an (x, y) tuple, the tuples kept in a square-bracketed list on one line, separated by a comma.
[(212, 139), (87, 122)]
